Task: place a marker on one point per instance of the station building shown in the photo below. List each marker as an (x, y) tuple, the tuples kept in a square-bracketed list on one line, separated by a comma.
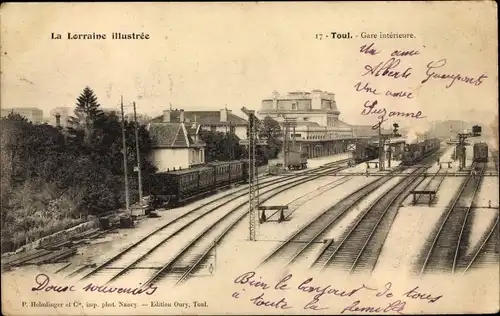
[(319, 131)]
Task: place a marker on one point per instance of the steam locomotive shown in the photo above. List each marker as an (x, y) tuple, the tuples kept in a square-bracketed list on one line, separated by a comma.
[(414, 153)]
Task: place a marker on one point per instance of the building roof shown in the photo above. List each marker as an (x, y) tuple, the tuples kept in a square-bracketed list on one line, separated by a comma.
[(344, 124), (366, 130), (171, 135), (307, 123), (203, 118)]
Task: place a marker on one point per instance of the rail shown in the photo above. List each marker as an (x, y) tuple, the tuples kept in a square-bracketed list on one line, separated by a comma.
[(446, 220)]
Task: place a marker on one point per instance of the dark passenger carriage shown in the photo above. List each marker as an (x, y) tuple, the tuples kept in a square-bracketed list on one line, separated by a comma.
[(365, 152), (221, 173), (480, 152), (236, 171)]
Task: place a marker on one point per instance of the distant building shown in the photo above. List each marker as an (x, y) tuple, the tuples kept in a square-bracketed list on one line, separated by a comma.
[(111, 111), (175, 145), (318, 131), (64, 113), (221, 121), (316, 114), (141, 118), (34, 115)]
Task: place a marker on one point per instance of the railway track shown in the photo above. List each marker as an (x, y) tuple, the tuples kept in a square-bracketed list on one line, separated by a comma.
[(301, 241), (446, 248), (155, 240), (433, 183), (190, 258), (359, 247), (296, 203), (487, 250), (290, 250)]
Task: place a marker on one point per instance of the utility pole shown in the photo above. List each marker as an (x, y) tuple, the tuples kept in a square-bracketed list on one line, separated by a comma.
[(138, 155), (381, 149), (231, 147), (253, 189), (127, 201), (253, 176)]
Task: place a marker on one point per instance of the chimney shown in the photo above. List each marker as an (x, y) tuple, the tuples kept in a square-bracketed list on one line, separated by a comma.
[(181, 116), (166, 116), (275, 99), (223, 115), (58, 120)]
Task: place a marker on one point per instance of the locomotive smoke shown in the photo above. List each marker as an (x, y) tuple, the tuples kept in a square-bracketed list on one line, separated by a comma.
[(411, 137), (416, 134)]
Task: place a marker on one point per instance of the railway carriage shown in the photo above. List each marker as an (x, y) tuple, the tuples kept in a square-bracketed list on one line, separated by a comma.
[(235, 171), (480, 152), (365, 151), (296, 160), (175, 187), (221, 172), (206, 179)]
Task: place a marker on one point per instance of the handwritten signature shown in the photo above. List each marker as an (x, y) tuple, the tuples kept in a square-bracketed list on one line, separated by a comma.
[(454, 77), (43, 284), (267, 293), (370, 109)]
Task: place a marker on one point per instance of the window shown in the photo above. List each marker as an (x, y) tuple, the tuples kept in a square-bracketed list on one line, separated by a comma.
[(213, 128), (294, 105)]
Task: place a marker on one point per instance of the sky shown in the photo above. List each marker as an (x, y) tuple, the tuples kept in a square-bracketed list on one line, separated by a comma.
[(211, 56)]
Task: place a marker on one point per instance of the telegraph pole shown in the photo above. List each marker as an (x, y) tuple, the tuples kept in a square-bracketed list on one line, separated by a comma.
[(138, 155), (231, 147), (381, 148), (253, 198), (125, 158), (253, 176)]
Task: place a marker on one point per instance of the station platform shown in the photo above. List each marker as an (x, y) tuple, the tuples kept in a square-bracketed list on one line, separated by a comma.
[(320, 161)]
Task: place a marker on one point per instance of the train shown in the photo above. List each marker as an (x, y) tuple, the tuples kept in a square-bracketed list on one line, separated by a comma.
[(414, 153), (176, 187), (365, 151), (480, 152), (296, 160)]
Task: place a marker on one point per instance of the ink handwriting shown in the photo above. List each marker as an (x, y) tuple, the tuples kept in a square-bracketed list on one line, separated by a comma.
[(43, 284), (43, 281), (454, 77), (396, 306), (383, 299), (387, 69)]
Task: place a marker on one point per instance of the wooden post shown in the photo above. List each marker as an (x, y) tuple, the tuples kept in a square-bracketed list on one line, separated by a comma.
[(127, 201), (138, 156)]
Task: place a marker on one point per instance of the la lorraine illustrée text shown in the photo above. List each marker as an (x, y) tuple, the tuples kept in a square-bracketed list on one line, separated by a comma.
[(101, 36)]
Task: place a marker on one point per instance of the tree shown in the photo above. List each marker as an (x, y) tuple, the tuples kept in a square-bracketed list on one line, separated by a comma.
[(270, 131), (221, 146), (86, 114)]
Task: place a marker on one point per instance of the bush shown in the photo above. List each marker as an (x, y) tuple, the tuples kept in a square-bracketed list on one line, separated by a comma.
[(53, 179)]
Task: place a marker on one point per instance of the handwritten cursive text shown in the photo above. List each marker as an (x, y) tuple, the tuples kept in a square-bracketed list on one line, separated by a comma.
[(431, 73)]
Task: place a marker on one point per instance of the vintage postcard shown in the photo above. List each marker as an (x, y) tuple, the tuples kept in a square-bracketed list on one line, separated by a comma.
[(249, 158)]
